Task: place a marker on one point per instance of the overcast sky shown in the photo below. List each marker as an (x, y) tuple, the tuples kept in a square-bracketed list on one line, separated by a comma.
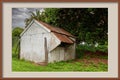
[(20, 14)]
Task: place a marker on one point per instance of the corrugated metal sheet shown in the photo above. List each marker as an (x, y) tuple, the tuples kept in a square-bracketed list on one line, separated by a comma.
[(61, 34), (63, 38)]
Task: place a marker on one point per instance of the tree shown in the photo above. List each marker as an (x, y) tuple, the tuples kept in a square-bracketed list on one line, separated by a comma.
[(16, 32), (35, 15), (87, 24), (16, 35)]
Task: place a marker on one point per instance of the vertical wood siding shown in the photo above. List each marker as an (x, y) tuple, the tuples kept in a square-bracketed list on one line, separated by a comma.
[(62, 53)]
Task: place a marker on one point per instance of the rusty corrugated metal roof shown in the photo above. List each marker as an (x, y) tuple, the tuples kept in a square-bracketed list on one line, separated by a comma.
[(61, 34), (56, 29), (63, 38)]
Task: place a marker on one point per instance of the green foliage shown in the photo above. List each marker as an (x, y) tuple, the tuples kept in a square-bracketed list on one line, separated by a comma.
[(14, 55), (35, 15), (16, 32), (50, 15), (80, 52), (86, 47), (15, 41), (81, 49), (16, 35), (15, 47), (102, 48)]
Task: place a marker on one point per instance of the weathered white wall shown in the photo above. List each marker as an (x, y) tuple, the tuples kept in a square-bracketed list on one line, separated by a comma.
[(70, 52), (56, 55), (62, 53), (54, 42), (32, 43)]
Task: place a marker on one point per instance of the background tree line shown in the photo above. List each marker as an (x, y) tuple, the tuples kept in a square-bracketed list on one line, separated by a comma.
[(87, 24)]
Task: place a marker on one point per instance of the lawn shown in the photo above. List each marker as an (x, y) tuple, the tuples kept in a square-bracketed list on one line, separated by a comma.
[(93, 63)]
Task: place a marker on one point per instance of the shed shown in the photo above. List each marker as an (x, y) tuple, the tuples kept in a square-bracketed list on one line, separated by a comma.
[(41, 42)]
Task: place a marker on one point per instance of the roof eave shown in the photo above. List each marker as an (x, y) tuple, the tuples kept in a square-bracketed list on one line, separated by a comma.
[(27, 28)]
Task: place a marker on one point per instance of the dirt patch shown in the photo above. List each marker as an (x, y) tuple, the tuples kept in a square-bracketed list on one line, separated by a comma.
[(95, 54), (96, 58), (92, 60)]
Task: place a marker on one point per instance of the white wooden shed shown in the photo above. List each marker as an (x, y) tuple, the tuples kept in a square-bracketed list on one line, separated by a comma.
[(41, 42)]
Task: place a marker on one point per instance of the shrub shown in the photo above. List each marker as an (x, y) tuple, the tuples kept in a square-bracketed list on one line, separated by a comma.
[(79, 51), (82, 48), (102, 48)]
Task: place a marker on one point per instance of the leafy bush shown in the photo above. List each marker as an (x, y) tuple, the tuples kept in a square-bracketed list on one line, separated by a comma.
[(102, 48), (16, 32), (82, 48), (79, 52)]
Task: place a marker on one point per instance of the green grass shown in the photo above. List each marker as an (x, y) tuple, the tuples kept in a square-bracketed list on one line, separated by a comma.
[(22, 65)]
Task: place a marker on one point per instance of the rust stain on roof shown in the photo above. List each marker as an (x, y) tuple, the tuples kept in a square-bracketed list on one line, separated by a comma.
[(61, 34), (63, 38)]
